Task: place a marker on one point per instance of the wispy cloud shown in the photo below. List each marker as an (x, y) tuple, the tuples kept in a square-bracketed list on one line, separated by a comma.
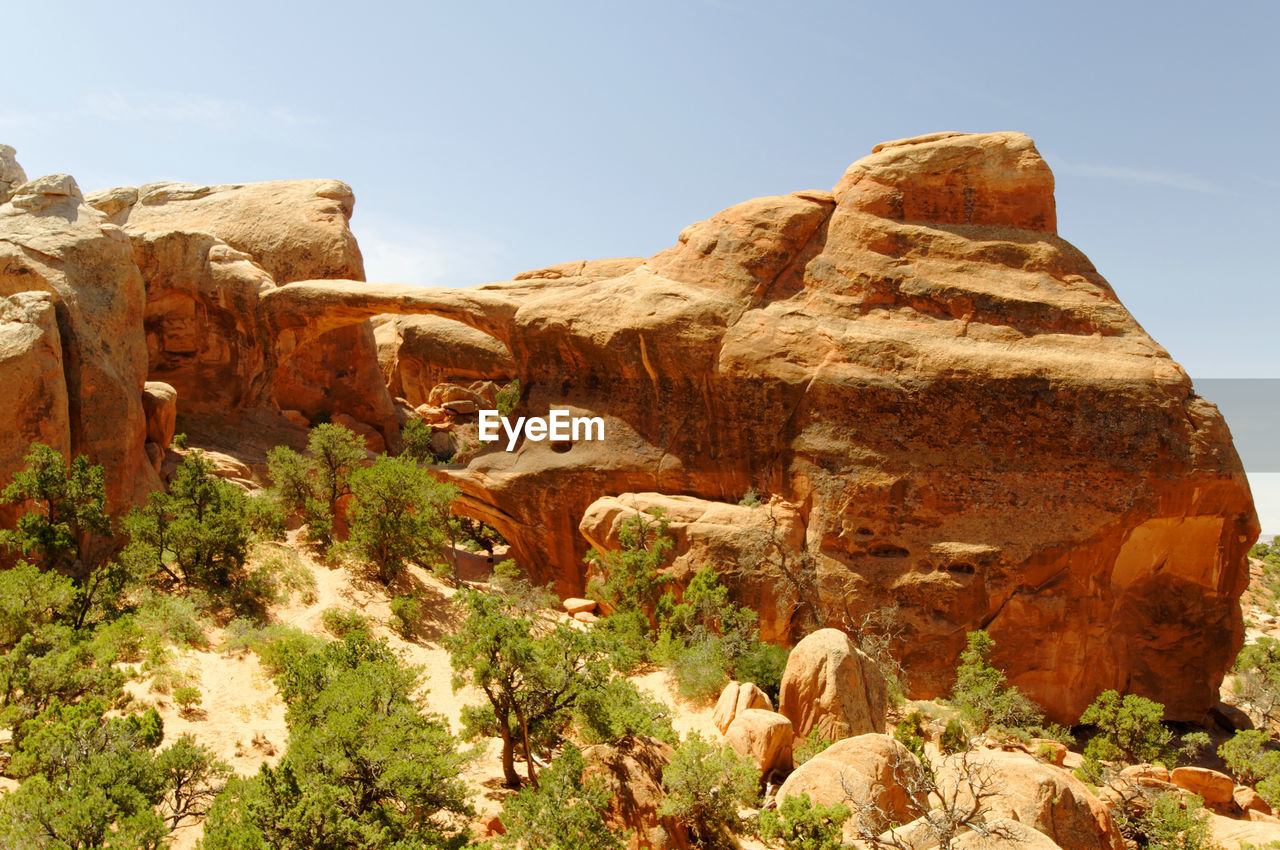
[(1169, 179), (154, 109), (404, 252)]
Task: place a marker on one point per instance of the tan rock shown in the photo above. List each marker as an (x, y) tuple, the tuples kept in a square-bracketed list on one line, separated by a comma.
[(929, 370), (575, 605), (1250, 800), (1045, 798), (736, 698), (35, 389), (208, 253), (764, 736), (870, 768), (11, 174), (1214, 787), (1006, 834), (160, 404), (632, 773), (831, 686), (585, 617), (417, 353), (55, 244), (1230, 833)]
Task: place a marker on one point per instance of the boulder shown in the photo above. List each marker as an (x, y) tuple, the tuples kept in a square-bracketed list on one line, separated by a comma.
[(1005, 834), (1231, 834), (764, 736), (417, 353), (736, 698), (160, 403), (632, 772), (1250, 800), (575, 605), (869, 768), (1216, 788), (920, 361), (831, 686), (1043, 797)]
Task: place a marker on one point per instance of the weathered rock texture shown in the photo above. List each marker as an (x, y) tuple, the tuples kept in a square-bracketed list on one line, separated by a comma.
[(417, 353), (208, 253), (765, 737), (832, 687), (971, 424), (631, 770), (872, 769), (951, 402), (79, 382), (736, 698)]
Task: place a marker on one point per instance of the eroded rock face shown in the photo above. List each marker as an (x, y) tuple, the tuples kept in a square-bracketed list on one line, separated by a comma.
[(208, 253), (418, 353), (85, 358), (736, 698), (972, 425), (631, 770)]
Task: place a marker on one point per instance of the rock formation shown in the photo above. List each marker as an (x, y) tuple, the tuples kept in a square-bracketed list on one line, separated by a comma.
[(736, 698), (952, 399), (79, 388), (941, 400), (765, 737)]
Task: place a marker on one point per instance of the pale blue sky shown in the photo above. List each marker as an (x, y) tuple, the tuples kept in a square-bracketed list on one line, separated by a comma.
[(483, 139)]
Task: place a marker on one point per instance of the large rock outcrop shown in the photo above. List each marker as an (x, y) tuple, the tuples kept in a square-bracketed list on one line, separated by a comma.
[(76, 354), (971, 423), (208, 253)]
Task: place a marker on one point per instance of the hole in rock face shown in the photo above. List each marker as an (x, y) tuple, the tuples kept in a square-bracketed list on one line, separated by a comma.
[(962, 569), (561, 446), (863, 532), (886, 550)]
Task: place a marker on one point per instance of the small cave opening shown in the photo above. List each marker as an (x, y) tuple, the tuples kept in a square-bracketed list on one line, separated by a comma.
[(962, 568), (886, 550), (561, 446)]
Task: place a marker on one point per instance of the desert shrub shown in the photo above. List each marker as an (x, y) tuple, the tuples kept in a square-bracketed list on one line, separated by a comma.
[(1251, 755), (399, 516), (167, 619), (1192, 745), (532, 672), (56, 665), (198, 533), (508, 397), (92, 781), (406, 615), (68, 504), (31, 598), (620, 709), (341, 622), (1257, 683), (750, 499), (809, 746), (953, 739), (800, 824), (416, 438), (700, 670), (311, 485), (631, 576), (563, 812), (366, 765), (981, 694), (266, 517), (1130, 730), (763, 664), (910, 733), (1168, 821), (188, 698), (706, 785)]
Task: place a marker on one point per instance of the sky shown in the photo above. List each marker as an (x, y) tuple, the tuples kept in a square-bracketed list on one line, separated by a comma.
[(483, 138)]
